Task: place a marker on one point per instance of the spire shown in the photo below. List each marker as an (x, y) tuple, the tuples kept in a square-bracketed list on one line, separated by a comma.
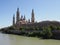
[(24, 17), (17, 15), (13, 19), (28, 20), (18, 9), (21, 17), (32, 17)]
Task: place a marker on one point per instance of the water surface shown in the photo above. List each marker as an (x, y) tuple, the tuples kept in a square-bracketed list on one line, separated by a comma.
[(9, 39)]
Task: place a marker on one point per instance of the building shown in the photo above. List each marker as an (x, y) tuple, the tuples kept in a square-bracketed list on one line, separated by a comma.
[(22, 19)]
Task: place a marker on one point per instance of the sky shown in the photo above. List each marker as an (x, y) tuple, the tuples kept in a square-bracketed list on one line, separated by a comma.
[(43, 9)]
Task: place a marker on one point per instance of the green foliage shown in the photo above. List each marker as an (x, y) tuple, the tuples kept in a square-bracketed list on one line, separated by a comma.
[(47, 32), (11, 28)]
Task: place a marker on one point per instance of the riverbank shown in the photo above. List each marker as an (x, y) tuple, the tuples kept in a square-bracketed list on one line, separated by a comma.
[(38, 34)]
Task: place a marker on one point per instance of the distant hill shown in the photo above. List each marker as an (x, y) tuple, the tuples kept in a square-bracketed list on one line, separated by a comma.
[(47, 23)]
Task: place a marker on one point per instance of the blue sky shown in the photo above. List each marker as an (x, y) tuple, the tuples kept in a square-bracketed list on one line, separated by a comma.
[(44, 10)]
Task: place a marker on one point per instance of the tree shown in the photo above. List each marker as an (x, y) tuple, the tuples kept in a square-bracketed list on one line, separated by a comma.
[(47, 32)]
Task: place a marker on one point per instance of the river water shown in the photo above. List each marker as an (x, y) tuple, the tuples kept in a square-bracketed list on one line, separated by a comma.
[(9, 39)]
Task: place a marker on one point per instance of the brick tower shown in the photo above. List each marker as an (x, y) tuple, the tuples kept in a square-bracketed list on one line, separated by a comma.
[(32, 17), (17, 16), (13, 20)]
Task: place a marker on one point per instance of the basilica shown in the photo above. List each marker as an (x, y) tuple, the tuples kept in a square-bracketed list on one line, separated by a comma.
[(22, 19)]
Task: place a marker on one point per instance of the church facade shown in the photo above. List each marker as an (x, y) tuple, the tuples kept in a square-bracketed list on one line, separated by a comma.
[(20, 20)]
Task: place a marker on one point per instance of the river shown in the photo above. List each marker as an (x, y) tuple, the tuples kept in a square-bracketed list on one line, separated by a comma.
[(9, 39)]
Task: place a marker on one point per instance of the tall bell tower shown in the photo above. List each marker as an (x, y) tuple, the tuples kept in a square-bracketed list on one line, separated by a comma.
[(32, 17), (13, 20), (17, 15)]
